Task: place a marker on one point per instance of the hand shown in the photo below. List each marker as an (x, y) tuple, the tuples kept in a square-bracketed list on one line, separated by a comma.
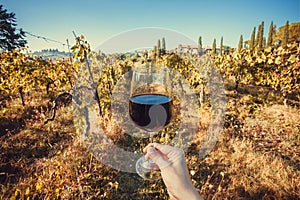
[(174, 171)]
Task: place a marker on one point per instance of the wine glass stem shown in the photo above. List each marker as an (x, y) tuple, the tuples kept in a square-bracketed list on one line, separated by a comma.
[(151, 137)]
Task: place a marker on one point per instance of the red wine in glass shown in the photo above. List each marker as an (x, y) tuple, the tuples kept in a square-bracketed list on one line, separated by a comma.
[(150, 112)]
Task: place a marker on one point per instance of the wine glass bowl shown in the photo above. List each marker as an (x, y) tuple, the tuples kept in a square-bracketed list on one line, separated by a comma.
[(150, 103)]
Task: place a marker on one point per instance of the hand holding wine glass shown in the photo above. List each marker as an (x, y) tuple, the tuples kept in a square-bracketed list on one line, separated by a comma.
[(175, 174)]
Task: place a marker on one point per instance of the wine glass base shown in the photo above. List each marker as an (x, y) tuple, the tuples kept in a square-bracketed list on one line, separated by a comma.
[(147, 169)]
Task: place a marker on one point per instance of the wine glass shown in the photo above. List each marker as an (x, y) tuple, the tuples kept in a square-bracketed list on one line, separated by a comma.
[(150, 108)]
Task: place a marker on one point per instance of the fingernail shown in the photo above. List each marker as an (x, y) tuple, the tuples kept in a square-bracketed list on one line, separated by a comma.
[(152, 150)]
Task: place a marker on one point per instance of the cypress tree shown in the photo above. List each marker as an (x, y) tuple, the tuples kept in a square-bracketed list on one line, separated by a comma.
[(154, 52), (252, 41), (221, 46), (158, 48), (214, 47), (270, 35), (163, 46), (257, 39), (240, 46), (261, 35), (200, 45), (286, 34)]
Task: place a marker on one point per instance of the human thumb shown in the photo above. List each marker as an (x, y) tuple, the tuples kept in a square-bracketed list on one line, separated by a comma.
[(157, 157)]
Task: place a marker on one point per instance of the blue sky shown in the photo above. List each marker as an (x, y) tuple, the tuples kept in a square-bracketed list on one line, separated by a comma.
[(99, 20)]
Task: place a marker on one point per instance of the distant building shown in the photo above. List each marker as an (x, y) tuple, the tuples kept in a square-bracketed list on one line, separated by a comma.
[(194, 50), (189, 49)]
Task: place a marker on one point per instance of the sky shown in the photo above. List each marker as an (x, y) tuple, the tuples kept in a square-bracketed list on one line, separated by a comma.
[(101, 21)]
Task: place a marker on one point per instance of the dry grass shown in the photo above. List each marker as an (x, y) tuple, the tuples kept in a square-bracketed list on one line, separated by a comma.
[(257, 175), (260, 171)]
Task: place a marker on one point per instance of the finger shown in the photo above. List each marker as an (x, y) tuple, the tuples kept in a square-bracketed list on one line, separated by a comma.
[(165, 149), (155, 155), (147, 147)]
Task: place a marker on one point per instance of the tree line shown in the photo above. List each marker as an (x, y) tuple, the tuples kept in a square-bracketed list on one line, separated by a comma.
[(285, 34)]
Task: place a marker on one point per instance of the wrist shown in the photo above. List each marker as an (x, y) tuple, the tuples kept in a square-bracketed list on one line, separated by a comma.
[(190, 194), (183, 190)]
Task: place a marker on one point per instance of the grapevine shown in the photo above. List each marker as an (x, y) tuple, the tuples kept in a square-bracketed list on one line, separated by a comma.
[(274, 67)]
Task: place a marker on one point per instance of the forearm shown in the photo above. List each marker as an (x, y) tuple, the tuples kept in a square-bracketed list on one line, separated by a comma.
[(188, 192), (179, 184)]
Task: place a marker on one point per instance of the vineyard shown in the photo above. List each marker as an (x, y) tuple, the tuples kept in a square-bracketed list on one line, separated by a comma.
[(42, 157)]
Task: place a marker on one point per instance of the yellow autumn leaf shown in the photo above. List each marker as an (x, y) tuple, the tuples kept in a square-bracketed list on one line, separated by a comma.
[(12, 198), (293, 58), (278, 61), (279, 49), (27, 192), (116, 185), (259, 60), (57, 190), (268, 50), (16, 195), (270, 61), (39, 186)]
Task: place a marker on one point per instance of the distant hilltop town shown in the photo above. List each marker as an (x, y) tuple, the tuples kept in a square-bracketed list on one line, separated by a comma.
[(51, 53)]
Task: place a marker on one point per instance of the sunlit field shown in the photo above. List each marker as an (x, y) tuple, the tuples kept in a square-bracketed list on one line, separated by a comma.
[(257, 155)]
